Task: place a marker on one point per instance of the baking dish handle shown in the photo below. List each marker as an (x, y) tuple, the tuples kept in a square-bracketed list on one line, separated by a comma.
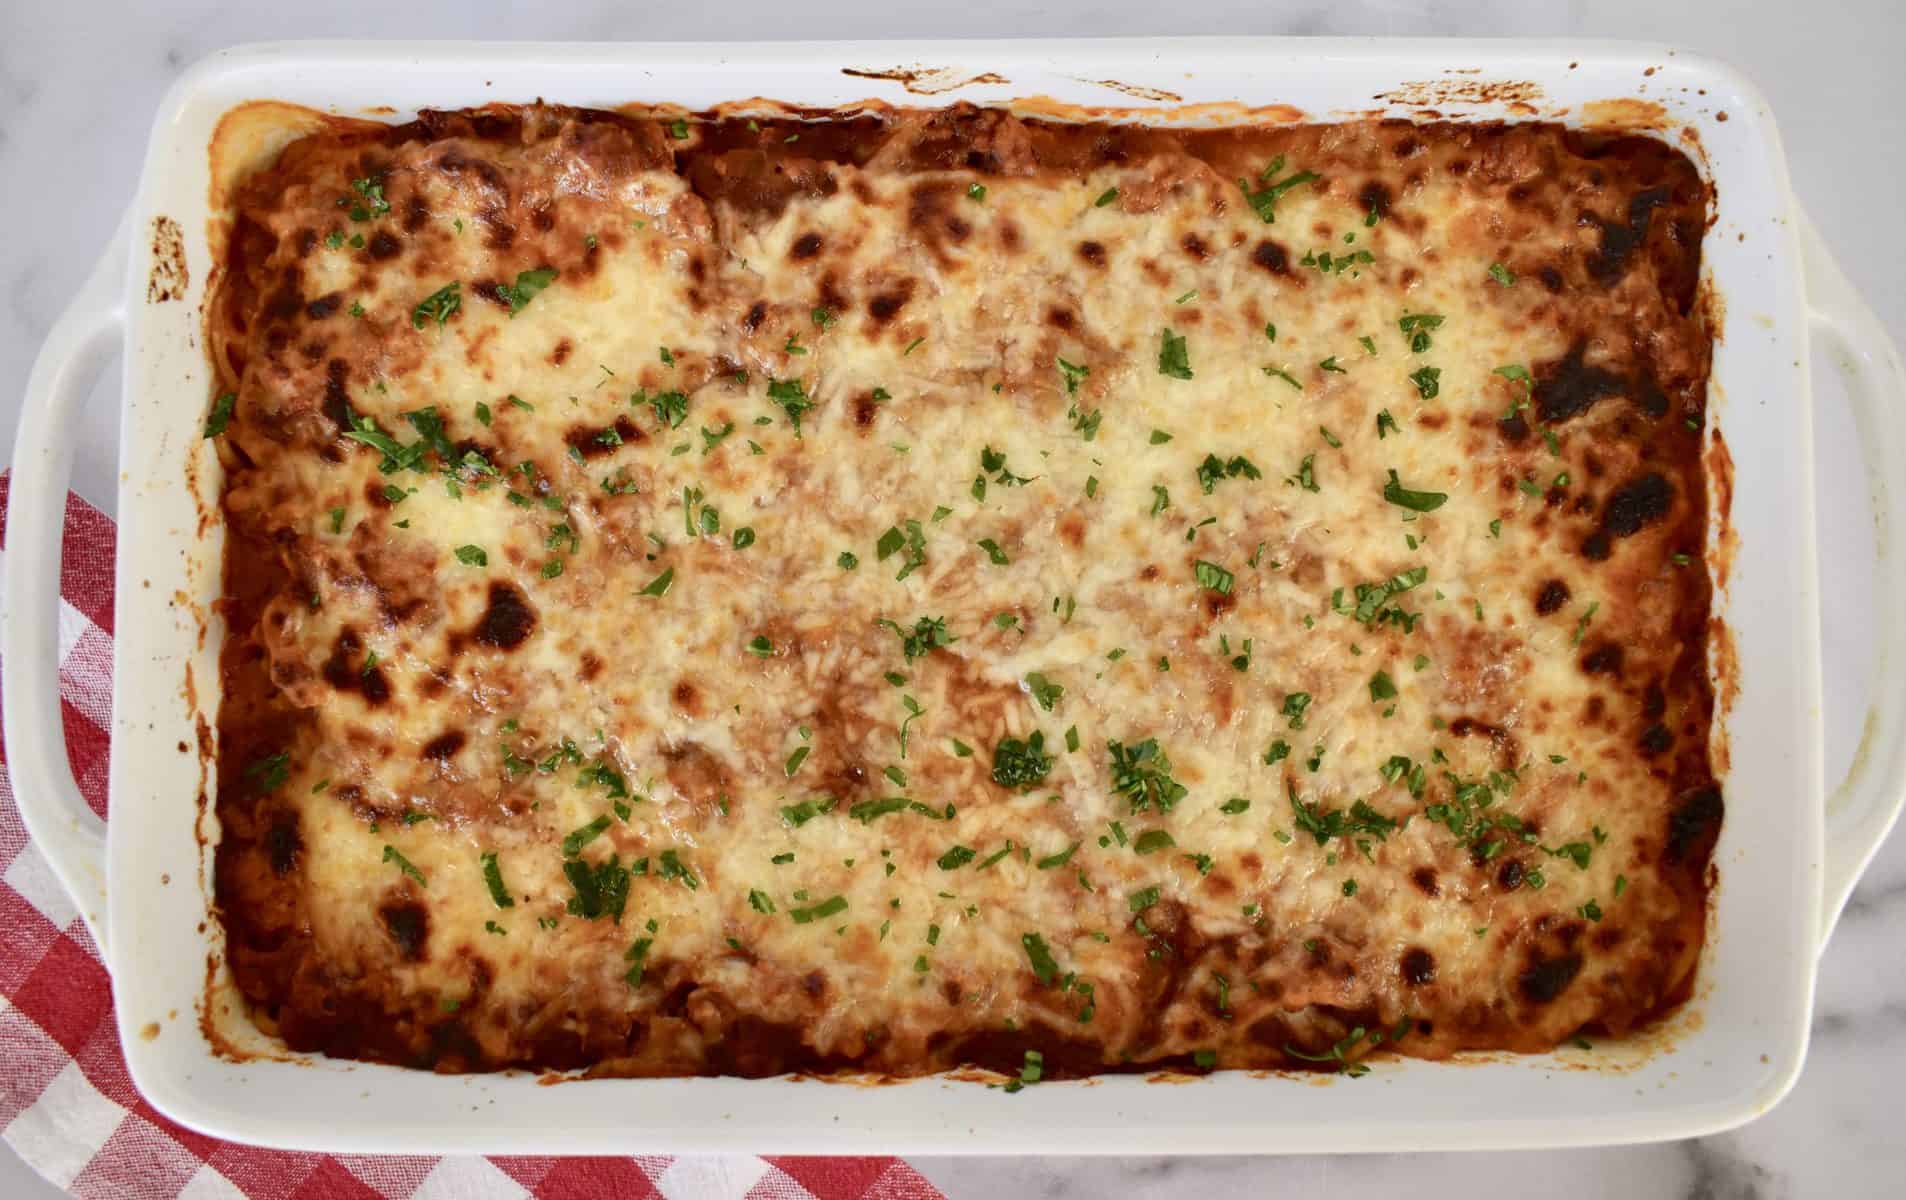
[(66, 831), (1862, 810)]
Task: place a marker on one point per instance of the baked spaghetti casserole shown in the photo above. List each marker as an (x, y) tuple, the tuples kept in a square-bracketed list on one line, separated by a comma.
[(889, 590)]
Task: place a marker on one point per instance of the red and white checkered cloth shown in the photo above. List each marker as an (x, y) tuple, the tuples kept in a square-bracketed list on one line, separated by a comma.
[(68, 1107)]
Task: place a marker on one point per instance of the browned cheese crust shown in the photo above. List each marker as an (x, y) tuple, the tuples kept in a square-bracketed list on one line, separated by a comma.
[(888, 592)]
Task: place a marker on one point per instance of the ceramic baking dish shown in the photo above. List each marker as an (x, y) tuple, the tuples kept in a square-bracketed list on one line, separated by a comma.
[(1788, 853)]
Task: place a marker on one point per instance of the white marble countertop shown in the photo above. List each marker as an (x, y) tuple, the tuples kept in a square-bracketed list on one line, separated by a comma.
[(79, 80)]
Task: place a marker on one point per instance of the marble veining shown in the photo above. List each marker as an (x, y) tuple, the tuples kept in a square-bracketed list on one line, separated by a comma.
[(79, 80)]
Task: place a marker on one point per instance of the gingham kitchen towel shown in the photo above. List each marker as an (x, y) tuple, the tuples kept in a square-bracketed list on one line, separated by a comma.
[(69, 1108)]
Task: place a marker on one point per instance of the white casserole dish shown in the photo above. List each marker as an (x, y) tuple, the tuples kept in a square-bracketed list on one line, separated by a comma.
[(1787, 857)]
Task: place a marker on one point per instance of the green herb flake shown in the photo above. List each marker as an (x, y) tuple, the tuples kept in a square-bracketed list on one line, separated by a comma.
[(220, 416), (1213, 577), (526, 288), (404, 865), (1044, 690), (1151, 841), (1382, 687), (1174, 359), (1263, 200), (659, 585), (493, 877), (1021, 764), (818, 912), (956, 857), (1415, 501), (438, 306), (1040, 956)]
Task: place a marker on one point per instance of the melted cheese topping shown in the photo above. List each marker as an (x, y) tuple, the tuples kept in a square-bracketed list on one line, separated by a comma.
[(702, 607)]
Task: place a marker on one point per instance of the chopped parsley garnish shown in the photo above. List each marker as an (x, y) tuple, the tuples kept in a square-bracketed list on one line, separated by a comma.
[(404, 865), (1417, 327), (1213, 469), (761, 647), (1306, 476), (671, 408), (1386, 422), (1403, 497), (1517, 373), (1021, 764), (1324, 824), (678, 129), (671, 867), (1043, 690), (1142, 774), (528, 283), (370, 202), (1234, 806), (1382, 687), (911, 545), (472, 556), (1264, 200), (760, 901), (1213, 577), (1295, 704), (991, 460), (1327, 264), (493, 876), (795, 760), (1427, 381), (269, 774), (1581, 626), (956, 857), (993, 552), (220, 417), (659, 585), (577, 839), (1502, 274), (1173, 358), (1105, 197), (1330, 364), (816, 912), (847, 561), (1142, 899), (1058, 860), (1074, 375), (976, 193), (1040, 956), (1373, 605), (800, 814), (927, 635), (438, 306), (1152, 840), (602, 890), (1286, 376), (792, 397)]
